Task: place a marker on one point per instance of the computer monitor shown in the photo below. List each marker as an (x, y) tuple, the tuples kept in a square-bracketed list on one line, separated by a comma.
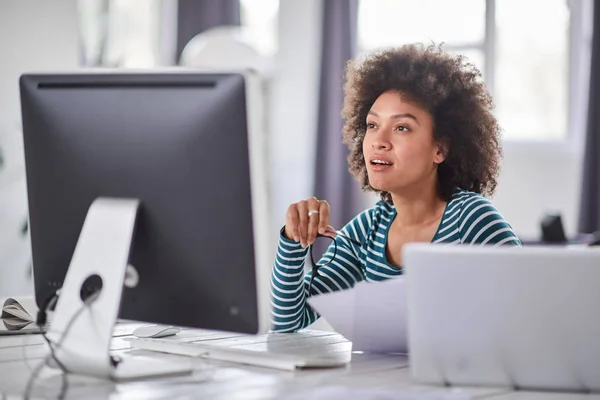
[(178, 143)]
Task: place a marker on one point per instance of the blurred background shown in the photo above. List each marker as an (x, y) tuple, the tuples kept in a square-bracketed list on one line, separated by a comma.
[(535, 57)]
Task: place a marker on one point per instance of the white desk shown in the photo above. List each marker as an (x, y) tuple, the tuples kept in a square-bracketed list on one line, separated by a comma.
[(220, 380)]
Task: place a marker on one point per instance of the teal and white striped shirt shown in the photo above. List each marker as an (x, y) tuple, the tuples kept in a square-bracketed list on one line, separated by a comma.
[(469, 218)]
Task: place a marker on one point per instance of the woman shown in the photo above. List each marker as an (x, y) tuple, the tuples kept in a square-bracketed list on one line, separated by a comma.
[(421, 133)]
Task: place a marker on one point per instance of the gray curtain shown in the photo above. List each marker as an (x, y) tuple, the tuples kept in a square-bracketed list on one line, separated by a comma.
[(589, 217), (332, 180), (195, 16)]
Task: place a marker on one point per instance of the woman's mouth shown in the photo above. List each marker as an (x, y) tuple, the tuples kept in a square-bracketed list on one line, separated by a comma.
[(380, 165)]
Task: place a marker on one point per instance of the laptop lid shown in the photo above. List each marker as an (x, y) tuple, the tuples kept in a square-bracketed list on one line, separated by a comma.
[(522, 317)]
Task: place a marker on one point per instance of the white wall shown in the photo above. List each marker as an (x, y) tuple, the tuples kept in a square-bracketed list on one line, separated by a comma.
[(294, 108), (35, 35), (537, 180), (294, 100)]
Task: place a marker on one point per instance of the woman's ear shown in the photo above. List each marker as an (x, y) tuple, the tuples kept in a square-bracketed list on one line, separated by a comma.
[(441, 152)]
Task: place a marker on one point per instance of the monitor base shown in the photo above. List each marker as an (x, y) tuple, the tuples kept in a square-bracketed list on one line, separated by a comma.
[(88, 305)]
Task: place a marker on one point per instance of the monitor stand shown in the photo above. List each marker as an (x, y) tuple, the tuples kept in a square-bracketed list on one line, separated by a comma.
[(82, 331)]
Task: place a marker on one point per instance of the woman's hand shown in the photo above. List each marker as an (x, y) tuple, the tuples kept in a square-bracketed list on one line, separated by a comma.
[(305, 219)]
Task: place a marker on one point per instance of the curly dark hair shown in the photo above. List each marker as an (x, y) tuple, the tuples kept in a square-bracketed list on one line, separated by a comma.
[(451, 90)]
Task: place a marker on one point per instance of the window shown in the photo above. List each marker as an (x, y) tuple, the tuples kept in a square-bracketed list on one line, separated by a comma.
[(260, 19), (120, 33), (130, 33), (532, 68), (522, 48), (460, 24)]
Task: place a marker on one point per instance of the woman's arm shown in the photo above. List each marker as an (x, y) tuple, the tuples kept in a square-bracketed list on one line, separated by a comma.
[(289, 284)]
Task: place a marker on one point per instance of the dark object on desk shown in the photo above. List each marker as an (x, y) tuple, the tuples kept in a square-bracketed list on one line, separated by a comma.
[(552, 229), (594, 239)]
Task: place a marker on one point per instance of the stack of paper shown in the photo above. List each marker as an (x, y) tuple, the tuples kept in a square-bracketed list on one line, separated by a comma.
[(371, 315)]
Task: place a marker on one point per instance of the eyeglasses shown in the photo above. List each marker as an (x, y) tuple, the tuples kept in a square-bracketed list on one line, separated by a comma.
[(315, 265)]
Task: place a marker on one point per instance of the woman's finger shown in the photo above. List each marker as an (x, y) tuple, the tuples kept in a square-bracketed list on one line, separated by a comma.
[(292, 221), (323, 216), (313, 219), (303, 222), (330, 231)]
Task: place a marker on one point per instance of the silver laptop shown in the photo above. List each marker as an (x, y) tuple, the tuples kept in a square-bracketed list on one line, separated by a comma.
[(522, 317)]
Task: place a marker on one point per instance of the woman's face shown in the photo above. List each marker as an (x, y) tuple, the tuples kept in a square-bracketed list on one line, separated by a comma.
[(398, 146)]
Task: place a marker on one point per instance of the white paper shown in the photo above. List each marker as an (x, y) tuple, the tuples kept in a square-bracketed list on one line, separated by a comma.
[(371, 315)]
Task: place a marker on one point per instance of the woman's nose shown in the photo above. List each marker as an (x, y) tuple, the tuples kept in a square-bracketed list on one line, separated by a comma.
[(382, 141), (381, 146)]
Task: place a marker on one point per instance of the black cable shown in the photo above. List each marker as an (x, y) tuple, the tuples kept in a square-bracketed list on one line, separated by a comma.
[(35, 373), (41, 320), (65, 383), (42, 317), (42, 314)]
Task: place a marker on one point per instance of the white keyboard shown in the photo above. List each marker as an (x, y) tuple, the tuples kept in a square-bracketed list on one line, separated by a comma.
[(287, 351)]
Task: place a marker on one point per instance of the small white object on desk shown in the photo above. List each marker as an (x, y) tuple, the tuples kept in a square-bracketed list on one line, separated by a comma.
[(18, 316), (20, 307), (155, 331)]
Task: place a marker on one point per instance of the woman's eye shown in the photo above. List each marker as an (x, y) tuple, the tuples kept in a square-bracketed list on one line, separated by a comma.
[(370, 126), (402, 128)]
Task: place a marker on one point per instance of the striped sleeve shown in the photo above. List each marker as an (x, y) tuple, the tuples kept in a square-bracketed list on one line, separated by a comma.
[(481, 223), (289, 284)]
